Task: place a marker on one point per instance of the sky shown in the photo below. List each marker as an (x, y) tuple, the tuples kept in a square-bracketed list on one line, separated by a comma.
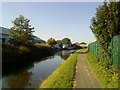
[(54, 0), (54, 19)]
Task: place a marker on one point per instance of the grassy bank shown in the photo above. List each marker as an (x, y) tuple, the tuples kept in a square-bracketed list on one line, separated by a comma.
[(11, 53), (63, 77), (106, 73)]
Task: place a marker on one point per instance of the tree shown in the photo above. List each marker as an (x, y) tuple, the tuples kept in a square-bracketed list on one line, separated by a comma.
[(51, 41), (66, 41), (21, 32), (59, 41), (106, 24)]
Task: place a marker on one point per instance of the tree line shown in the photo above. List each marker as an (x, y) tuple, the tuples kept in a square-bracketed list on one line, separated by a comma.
[(20, 48), (22, 33), (106, 24), (52, 41)]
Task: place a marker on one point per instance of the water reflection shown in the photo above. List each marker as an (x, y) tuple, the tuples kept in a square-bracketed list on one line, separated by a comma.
[(32, 74), (43, 59), (20, 80), (15, 69), (65, 56)]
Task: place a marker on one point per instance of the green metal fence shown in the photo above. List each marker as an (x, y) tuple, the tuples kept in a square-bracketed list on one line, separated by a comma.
[(114, 47)]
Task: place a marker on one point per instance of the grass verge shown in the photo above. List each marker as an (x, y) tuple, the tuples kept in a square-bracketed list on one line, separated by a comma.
[(63, 77), (106, 73)]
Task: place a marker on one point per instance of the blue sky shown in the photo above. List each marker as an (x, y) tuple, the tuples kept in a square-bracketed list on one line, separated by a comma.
[(54, 19)]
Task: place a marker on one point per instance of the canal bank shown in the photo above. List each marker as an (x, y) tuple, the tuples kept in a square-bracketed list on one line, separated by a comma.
[(63, 77), (33, 74), (24, 53)]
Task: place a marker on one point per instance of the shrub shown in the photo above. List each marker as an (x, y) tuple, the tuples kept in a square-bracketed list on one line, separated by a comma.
[(106, 73), (25, 53), (23, 49)]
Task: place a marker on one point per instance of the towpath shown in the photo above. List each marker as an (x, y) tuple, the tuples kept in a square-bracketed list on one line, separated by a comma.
[(84, 77)]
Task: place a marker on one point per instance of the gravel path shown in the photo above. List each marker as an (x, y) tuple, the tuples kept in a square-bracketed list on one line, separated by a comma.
[(84, 77)]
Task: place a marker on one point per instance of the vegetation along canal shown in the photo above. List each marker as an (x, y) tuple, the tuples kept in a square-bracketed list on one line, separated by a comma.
[(32, 75)]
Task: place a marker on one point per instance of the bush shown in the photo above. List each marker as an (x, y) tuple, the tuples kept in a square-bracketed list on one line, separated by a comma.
[(23, 49), (24, 53), (106, 73)]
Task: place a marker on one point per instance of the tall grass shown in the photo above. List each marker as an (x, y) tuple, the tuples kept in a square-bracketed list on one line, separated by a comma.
[(21, 53)]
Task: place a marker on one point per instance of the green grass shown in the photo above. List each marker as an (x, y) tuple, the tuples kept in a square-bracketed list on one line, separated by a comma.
[(63, 77), (105, 72)]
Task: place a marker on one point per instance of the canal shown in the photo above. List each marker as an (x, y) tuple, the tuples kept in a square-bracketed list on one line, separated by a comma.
[(32, 75)]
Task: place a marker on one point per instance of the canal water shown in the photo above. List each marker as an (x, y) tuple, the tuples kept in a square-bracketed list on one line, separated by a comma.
[(33, 74)]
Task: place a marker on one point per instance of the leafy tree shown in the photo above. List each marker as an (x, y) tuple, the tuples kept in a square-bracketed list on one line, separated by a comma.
[(21, 32), (106, 24), (59, 41), (51, 41), (66, 41)]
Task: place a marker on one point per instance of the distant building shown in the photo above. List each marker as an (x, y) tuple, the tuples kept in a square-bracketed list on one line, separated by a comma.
[(76, 43), (66, 45), (83, 44), (4, 36), (59, 45), (36, 39)]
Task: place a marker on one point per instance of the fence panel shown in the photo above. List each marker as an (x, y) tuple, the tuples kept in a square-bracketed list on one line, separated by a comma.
[(116, 50), (94, 48)]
